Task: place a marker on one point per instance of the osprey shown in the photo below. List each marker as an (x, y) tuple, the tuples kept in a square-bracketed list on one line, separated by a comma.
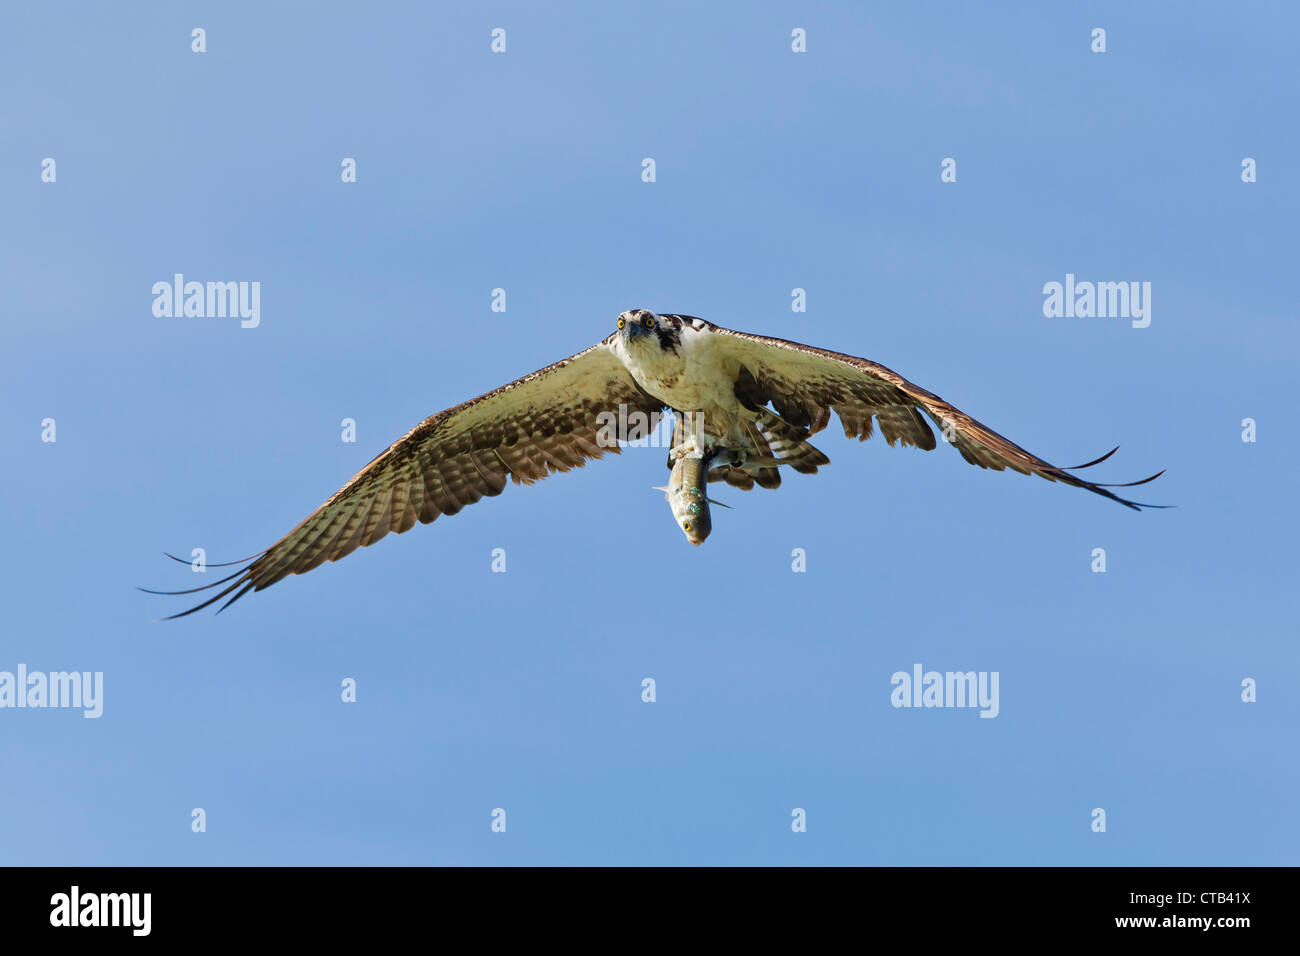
[(743, 406)]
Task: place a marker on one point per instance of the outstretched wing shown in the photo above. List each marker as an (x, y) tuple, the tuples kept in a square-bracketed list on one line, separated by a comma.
[(805, 384), (545, 422)]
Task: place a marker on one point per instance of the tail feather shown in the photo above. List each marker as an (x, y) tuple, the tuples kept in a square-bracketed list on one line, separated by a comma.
[(789, 443), (775, 443), (768, 476)]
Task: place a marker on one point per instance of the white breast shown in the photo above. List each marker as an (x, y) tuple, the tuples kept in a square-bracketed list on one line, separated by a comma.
[(692, 378)]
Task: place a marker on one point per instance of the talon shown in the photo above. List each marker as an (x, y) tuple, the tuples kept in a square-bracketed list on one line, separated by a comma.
[(687, 449)]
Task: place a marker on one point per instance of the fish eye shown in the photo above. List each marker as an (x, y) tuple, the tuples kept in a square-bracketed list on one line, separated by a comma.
[(621, 322), (686, 526), (648, 322)]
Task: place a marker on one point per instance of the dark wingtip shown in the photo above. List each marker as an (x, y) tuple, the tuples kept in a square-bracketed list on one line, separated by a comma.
[(201, 587), (237, 596), (211, 600), (1132, 484), (1095, 461), (217, 564), (1101, 488), (240, 577)]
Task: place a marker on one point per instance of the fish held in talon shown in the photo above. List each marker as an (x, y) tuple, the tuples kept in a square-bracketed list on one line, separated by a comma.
[(687, 498)]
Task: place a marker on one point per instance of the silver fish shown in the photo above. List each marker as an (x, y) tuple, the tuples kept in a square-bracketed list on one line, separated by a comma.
[(686, 494)]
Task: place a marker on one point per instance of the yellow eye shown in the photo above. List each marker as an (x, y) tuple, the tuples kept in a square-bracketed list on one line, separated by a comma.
[(648, 322), (621, 323), (686, 526)]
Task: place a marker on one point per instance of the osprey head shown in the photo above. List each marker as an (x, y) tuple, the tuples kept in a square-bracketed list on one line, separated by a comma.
[(639, 325)]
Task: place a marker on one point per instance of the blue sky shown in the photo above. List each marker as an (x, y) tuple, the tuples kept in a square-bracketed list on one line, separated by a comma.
[(774, 170)]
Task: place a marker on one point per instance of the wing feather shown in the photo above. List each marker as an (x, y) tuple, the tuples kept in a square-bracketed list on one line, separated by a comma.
[(803, 383), (524, 431)]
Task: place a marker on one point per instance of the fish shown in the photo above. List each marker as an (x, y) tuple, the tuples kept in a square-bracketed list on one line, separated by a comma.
[(686, 496)]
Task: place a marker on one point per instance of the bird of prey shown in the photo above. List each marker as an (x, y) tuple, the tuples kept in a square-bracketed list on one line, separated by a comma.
[(743, 406)]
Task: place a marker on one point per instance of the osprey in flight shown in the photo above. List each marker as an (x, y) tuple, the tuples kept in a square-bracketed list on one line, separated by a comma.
[(743, 406)]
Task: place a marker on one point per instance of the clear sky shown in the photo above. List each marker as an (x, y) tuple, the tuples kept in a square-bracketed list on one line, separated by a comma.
[(522, 690)]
